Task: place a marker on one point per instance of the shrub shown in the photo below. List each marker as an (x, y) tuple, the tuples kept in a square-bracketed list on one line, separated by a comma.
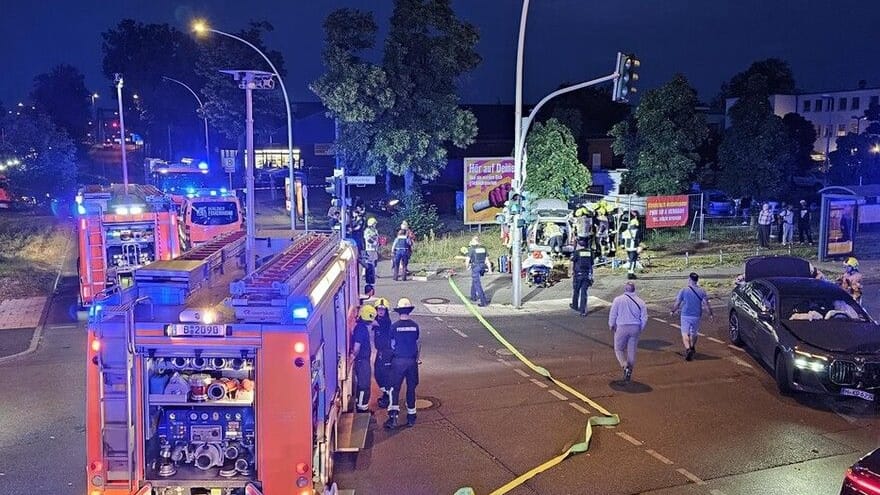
[(421, 216)]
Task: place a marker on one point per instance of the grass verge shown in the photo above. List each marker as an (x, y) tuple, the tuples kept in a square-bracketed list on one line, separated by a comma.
[(31, 247)]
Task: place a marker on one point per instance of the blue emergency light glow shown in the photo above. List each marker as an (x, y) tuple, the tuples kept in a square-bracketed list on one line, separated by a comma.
[(79, 199), (300, 313), (203, 166), (94, 310), (190, 190), (80, 209), (223, 190), (213, 192)]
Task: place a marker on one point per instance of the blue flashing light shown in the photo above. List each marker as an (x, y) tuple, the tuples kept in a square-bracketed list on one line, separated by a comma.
[(223, 190), (94, 310), (203, 166), (300, 313), (80, 209), (190, 195), (213, 192), (190, 190)]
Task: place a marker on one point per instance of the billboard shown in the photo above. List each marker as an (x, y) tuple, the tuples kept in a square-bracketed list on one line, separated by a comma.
[(666, 211), (837, 226), (487, 182)]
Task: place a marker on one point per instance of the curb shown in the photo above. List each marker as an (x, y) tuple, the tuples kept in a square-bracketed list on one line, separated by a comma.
[(38, 330)]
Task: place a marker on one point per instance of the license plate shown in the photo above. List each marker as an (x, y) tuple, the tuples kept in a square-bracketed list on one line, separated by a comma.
[(195, 330), (861, 394)]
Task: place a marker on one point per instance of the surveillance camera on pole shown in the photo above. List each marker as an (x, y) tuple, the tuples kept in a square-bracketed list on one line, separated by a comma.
[(627, 74)]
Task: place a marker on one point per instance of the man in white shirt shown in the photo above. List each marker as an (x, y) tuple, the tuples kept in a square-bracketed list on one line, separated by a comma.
[(627, 319)]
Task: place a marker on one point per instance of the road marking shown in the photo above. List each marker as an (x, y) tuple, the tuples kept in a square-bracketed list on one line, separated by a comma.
[(689, 475), (657, 456), (521, 372), (557, 394), (735, 348), (459, 332), (628, 438), (65, 327), (438, 318), (717, 341), (539, 383), (701, 334), (504, 362), (579, 407), (481, 346), (739, 362), (676, 325), (661, 320)]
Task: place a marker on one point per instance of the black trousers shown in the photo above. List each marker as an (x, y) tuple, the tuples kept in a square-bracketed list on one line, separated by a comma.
[(404, 369), (382, 369), (362, 383), (580, 285)]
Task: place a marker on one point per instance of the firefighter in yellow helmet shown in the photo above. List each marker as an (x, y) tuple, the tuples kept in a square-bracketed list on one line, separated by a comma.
[(382, 340), (630, 239), (851, 280), (404, 364), (360, 352)]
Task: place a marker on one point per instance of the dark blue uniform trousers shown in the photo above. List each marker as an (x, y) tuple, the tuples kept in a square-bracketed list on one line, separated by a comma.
[(477, 284), (404, 369)]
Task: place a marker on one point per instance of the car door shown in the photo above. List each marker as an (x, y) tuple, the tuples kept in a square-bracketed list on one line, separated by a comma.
[(765, 331)]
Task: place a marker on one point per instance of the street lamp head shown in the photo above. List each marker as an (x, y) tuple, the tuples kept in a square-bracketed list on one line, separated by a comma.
[(200, 27), (94, 95), (135, 96)]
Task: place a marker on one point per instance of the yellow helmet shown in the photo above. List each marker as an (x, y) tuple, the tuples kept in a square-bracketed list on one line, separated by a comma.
[(367, 313), (852, 262), (371, 222), (381, 303)]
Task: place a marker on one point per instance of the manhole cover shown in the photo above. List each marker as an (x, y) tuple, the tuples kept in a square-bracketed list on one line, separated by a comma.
[(503, 352), (435, 300), (426, 403)]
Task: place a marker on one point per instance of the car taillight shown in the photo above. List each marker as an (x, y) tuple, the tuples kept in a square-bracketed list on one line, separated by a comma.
[(864, 481)]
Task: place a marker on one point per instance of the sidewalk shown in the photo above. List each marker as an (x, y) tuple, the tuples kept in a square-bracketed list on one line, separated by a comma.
[(19, 319)]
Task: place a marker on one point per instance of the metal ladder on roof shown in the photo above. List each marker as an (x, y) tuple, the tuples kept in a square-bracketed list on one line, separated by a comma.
[(277, 278)]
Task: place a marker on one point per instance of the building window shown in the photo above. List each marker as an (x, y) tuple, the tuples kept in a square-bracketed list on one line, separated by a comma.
[(827, 130), (830, 104), (818, 105), (841, 130), (875, 100), (807, 105), (854, 127), (841, 104), (855, 103)]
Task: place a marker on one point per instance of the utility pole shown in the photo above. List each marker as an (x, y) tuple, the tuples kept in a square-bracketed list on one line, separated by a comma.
[(249, 80)]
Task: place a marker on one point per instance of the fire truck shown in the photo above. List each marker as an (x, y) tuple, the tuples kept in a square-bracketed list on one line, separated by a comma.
[(203, 380), (120, 231), (206, 214)]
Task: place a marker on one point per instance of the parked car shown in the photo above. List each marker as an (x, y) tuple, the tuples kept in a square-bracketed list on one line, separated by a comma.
[(549, 210), (718, 204), (815, 180), (863, 478), (810, 332)]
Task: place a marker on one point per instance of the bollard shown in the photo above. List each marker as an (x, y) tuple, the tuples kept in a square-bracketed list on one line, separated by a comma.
[(756, 250), (720, 256), (687, 260)]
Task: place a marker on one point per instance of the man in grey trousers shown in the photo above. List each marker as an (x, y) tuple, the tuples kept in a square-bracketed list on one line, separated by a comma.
[(627, 319)]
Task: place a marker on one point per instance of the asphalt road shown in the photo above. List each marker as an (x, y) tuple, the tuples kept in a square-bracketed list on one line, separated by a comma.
[(714, 426)]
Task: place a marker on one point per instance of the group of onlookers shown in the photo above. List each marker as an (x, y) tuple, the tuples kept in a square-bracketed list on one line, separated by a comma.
[(781, 224)]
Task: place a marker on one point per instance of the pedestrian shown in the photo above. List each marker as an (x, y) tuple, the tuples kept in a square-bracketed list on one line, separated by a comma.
[(476, 262), (765, 218), (382, 342), (691, 300), (787, 217), (360, 354), (401, 250), (627, 319), (406, 351), (582, 277), (803, 224), (631, 246)]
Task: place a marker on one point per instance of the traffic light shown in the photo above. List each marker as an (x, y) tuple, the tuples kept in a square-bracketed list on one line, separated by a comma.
[(336, 187), (627, 75)]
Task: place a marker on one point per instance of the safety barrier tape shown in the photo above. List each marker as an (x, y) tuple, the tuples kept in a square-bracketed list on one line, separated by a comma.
[(607, 418)]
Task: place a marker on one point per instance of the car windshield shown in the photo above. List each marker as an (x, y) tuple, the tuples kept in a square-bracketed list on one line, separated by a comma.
[(810, 308), (718, 198), (214, 213)]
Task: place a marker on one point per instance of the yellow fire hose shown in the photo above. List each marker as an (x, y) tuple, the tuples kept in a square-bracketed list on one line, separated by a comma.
[(607, 418)]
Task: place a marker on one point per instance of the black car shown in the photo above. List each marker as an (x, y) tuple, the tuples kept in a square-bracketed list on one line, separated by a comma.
[(810, 332), (863, 478)]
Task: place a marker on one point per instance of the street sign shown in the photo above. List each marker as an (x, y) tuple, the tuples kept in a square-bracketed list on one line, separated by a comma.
[(228, 159), (324, 149), (360, 180)]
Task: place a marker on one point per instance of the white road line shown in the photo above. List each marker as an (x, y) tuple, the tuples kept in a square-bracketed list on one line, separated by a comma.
[(579, 407), (520, 372), (459, 332), (717, 341), (689, 475), (739, 362), (438, 318), (661, 320), (701, 334), (735, 348), (539, 383), (64, 327), (504, 362), (676, 325), (557, 394), (716, 492), (628, 438), (657, 456), (481, 346)]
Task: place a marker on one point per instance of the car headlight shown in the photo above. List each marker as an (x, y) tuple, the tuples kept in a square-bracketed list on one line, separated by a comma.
[(807, 361)]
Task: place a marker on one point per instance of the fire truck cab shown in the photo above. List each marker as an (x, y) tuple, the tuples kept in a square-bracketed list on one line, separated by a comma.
[(120, 231), (202, 380), (208, 213)]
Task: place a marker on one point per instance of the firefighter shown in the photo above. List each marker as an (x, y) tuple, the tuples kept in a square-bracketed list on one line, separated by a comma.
[(370, 257), (851, 280), (582, 276), (631, 245), (477, 263), (406, 349), (382, 341), (360, 351), (402, 247), (582, 223)]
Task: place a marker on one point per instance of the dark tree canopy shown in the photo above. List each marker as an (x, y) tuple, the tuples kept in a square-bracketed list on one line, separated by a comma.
[(61, 94), (46, 155), (803, 134), (776, 73)]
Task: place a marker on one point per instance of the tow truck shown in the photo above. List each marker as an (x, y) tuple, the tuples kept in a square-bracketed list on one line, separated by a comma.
[(120, 231), (204, 380)]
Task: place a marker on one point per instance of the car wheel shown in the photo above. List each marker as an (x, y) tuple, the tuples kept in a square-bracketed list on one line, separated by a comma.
[(780, 372), (734, 331)]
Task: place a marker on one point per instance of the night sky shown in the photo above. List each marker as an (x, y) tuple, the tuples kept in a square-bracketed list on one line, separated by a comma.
[(567, 40)]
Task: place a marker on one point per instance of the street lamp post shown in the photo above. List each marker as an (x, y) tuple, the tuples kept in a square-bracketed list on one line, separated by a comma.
[(201, 27), (119, 82), (828, 129), (204, 116), (94, 96)]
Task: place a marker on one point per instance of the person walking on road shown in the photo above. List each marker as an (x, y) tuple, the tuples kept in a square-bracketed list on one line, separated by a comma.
[(765, 219), (691, 300), (402, 247), (582, 276), (361, 351), (803, 224), (627, 319), (382, 342), (405, 363), (476, 262)]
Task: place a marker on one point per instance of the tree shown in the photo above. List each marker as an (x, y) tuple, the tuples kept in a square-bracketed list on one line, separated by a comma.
[(757, 153), (400, 115), (803, 135), (46, 155), (553, 169), (777, 74), (62, 95), (659, 145), (855, 161)]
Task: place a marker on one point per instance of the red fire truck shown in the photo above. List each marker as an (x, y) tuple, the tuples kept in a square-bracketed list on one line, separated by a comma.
[(120, 231), (202, 380)]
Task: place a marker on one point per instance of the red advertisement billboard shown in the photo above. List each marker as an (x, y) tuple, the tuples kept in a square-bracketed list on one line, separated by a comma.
[(666, 211)]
